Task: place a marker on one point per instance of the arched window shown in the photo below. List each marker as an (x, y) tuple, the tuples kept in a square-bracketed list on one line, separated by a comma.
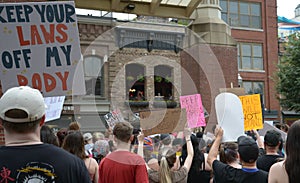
[(93, 74), (163, 78), (135, 82)]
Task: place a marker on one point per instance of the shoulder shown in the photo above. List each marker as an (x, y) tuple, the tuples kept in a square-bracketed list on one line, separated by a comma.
[(179, 174), (125, 157), (278, 167)]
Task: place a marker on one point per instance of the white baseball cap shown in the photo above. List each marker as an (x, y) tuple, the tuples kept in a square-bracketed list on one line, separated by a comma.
[(24, 98)]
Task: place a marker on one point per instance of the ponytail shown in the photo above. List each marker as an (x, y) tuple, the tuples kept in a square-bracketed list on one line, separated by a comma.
[(166, 161), (165, 174)]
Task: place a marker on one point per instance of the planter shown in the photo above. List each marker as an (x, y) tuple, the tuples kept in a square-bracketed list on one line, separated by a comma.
[(164, 104), (137, 103)]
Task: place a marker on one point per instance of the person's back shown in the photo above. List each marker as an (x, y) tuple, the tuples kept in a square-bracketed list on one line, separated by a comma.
[(74, 143), (272, 141), (248, 153), (43, 162), (24, 158), (122, 165), (288, 170)]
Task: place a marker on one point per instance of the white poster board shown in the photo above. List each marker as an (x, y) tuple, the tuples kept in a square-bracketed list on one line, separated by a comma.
[(40, 47), (230, 116), (54, 107)]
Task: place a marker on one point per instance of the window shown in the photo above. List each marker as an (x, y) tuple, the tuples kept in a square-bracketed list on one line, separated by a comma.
[(93, 75), (135, 82), (241, 14), (254, 87), (163, 78), (250, 56)]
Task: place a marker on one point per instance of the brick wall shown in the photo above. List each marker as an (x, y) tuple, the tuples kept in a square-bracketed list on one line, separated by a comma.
[(210, 67)]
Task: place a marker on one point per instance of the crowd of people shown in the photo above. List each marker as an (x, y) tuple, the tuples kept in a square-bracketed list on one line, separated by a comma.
[(122, 155)]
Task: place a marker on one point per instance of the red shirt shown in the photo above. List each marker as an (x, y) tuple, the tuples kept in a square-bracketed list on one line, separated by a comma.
[(123, 166)]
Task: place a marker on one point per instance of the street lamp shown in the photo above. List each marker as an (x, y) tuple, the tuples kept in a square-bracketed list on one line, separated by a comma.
[(240, 80)]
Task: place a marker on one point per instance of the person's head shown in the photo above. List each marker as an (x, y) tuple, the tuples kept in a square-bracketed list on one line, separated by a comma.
[(293, 152), (229, 152), (74, 126), (48, 136), (177, 144), (248, 150), (123, 131), (61, 134), (100, 149), (148, 147), (98, 136), (88, 138), (166, 160), (22, 110), (74, 144), (272, 140), (165, 139)]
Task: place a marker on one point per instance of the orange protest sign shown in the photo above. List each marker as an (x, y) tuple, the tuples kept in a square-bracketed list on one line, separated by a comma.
[(253, 118)]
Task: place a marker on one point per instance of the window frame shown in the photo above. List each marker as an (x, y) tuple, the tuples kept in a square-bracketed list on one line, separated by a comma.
[(253, 56), (98, 78), (226, 14)]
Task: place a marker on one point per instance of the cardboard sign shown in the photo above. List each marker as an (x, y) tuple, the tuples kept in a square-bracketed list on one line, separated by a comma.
[(40, 47), (237, 91), (163, 121), (54, 107), (252, 112), (194, 110), (230, 116), (268, 127), (113, 117)]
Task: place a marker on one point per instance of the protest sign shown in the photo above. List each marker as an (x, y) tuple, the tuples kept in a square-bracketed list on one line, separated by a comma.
[(237, 91), (230, 116), (163, 121), (194, 110), (268, 127), (252, 112), (113, 117), (54, 107), (40, 47)]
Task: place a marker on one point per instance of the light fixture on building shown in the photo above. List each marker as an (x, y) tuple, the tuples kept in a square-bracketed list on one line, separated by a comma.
[(130, 7), (240, 80)]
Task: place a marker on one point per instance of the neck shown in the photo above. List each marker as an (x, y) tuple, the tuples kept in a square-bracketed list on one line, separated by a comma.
[(16, 139), (249, 165), (271, 151), (122, 146)]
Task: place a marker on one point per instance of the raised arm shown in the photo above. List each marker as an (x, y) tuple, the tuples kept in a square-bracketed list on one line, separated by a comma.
[(214, 150), (190, 150)]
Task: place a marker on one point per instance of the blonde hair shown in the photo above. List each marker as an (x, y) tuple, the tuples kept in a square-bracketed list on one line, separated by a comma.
[(166, 160)]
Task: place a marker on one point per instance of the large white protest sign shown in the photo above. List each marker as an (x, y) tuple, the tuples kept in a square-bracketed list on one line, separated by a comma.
[(54, 107), (40, 47), (230, 116)]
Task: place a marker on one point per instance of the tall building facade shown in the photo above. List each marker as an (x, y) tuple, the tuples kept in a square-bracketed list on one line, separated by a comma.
[(241, 35)]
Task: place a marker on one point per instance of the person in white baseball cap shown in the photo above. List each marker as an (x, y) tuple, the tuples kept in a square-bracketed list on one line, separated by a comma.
[(22, 114)]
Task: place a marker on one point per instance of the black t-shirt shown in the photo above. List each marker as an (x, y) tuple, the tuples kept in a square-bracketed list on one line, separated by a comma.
[(266, 161), (226, 173), (41, 163)]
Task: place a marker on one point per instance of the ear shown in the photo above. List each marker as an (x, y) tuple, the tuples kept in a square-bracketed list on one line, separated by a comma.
[(42, 122), (131, 138)]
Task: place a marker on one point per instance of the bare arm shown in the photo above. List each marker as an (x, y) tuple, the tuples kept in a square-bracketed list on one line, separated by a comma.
[(190, 150), (214, 150), (259, 141), (140, 150)]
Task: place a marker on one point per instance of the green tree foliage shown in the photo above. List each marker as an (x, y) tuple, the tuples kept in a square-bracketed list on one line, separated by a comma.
[(288, 75)]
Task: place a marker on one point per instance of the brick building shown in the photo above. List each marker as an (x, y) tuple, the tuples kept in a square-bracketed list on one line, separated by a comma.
[(211, 56)]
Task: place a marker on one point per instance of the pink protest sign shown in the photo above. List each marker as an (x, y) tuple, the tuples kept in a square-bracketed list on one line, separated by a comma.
[(194, 110)]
